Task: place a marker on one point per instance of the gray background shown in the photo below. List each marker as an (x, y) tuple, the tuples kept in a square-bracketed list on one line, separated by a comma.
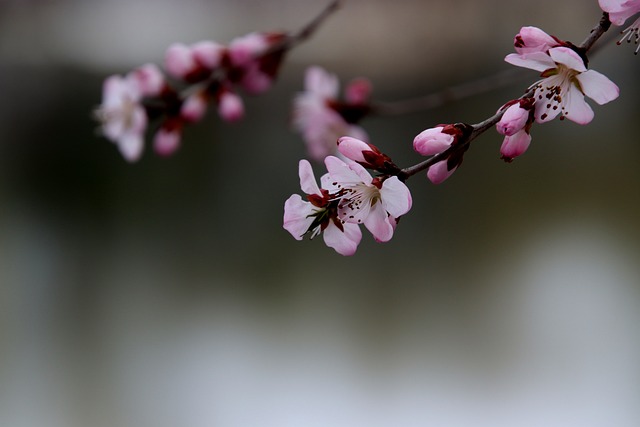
[(166, 293)]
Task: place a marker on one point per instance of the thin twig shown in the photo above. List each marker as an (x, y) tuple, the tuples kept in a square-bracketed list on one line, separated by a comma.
[(450, 94)]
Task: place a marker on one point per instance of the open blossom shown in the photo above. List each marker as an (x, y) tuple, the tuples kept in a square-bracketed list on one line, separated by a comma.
[(122, 115), (319, 215), (374, 202), (320, 117), (566, 81), (621, 10)]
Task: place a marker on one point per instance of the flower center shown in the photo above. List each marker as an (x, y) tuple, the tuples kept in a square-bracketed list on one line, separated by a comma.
[(356, 200), (551, 90)]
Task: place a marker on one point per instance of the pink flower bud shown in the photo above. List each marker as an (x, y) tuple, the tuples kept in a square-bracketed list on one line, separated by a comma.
[(439, 172), (432, 141), (208, 54), (167, 140), (533, 39), (230, 107), (179, 60), (149, 79), (353, 148), (255, 81), (358, 91), (513, 120), (515, 145), (244, 50), (194, 107)]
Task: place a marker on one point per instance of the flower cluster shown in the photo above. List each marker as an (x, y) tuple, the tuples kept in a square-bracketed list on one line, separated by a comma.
[(566, 79), (621, 10), (347, 197), (561, 91), (202, 73), (321, 117)]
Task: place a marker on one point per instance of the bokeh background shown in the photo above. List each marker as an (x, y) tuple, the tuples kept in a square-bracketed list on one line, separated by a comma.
[(166, 293)]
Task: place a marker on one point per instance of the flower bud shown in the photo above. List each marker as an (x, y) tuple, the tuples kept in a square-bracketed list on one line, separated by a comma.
[(432, 141), (208, 53), (149, 79), (439, 172), (514, 119), (515, 145), (167, 140), (194, 107), (179, 60), (230, 106)]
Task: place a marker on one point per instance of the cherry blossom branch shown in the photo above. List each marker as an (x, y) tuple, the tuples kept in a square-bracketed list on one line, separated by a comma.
[(475, 130), (195, 76)]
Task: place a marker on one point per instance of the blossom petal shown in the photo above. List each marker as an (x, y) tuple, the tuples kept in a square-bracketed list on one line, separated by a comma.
[(598, 87), (396, 197), (131, 145), (344, 242), (538, 61), (297, 219), (439, 172), (341, 172), (308, 182), (576, 108), (515, 145), (321, 83), (568, 57), (377, 222)]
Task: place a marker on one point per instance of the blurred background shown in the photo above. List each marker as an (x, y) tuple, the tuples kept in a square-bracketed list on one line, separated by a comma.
[(166, 293)]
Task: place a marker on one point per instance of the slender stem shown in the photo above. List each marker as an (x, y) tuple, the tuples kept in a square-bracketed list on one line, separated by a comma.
[(450, 94), (596, 32), (308, 30)]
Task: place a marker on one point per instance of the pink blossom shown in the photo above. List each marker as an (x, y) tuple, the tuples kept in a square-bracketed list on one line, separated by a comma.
[(230, 106), (208, 54), (368, 155), (433, 141), (358, 91), (366, 200), (566, 82), (244, 50), (515, 145), (318, 215), (194, 107), (533, 39), (317, 117), (620, 10), (179, 60), (123, 118), (515, 117), (167, 140), (254, 80), (193, 63), (439, 172), (149, 79)]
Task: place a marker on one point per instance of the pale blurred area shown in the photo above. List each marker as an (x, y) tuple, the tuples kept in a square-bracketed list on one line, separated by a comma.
[(167, 294)]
